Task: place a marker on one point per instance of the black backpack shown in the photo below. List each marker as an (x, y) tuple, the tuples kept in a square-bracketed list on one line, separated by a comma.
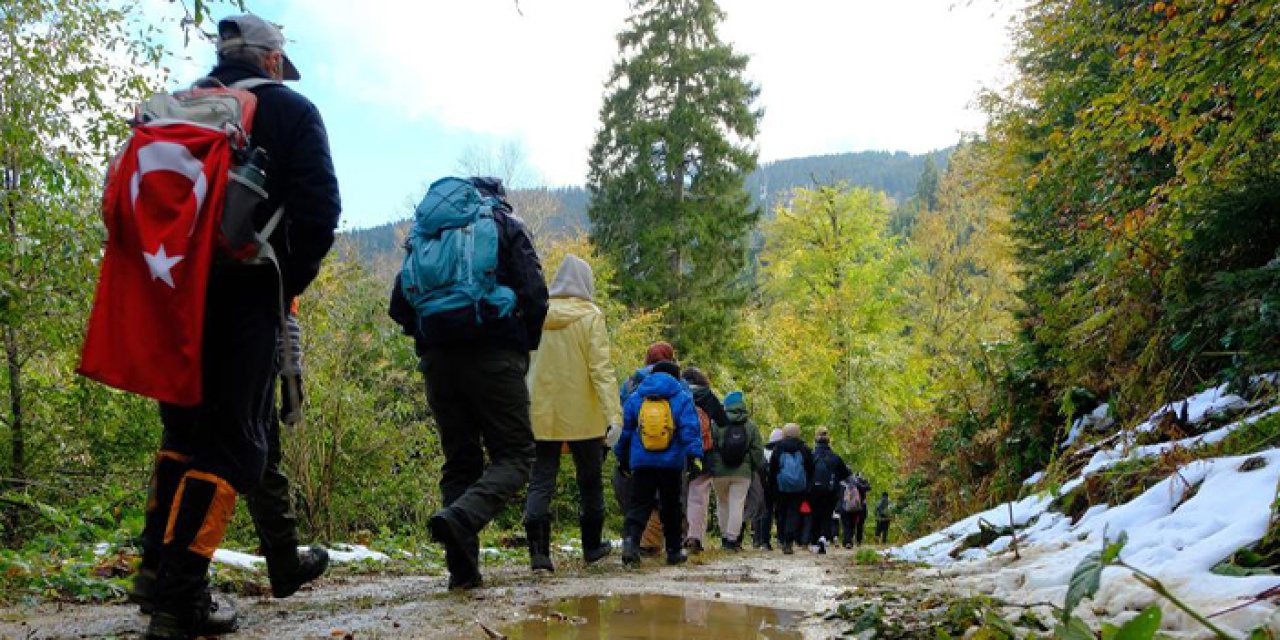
[(733, 445), (824, 473)]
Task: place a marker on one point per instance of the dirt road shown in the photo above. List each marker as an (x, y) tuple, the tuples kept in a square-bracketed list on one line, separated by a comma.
[(800, 587)]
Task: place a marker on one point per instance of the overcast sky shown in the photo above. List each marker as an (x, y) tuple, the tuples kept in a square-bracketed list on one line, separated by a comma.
[(406, 88)]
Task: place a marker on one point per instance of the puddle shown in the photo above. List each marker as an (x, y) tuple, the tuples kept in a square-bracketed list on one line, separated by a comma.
[(653, 616)]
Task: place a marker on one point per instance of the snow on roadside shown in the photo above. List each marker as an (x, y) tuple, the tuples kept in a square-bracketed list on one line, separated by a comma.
[(1178, 531), (338, 554)]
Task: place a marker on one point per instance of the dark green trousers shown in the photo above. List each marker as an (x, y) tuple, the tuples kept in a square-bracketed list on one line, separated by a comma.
[(481, 406), (272, 511)]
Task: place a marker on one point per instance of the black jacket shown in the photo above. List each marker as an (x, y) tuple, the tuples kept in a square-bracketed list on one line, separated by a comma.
[(789, 445), (519, 269), (839, 470), (299, 175), (706, 400)]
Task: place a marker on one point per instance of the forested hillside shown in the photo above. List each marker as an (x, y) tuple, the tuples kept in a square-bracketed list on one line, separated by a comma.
[(893, 173)]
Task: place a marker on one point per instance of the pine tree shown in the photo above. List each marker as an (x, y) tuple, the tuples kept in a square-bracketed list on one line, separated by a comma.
[(667, 170)]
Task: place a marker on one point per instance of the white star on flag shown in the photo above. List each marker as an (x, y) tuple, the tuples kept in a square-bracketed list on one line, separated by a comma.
[(160, 264)]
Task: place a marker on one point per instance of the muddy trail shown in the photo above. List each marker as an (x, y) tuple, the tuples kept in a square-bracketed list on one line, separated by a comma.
[(716, 595)]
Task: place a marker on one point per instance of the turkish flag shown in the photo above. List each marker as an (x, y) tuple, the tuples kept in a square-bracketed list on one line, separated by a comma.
[(162, 205)]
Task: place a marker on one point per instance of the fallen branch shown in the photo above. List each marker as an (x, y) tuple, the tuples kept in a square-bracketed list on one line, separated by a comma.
[(1273, 592), (493, 635)]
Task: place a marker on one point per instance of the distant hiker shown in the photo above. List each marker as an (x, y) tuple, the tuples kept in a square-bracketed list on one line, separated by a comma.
[(475, 310), (790, 467), (851, 502), (172, 323), (652, 541), (855, 492), (762, 524), (711, 414), (574, 404), (829, 470), (883, 514), (738, 453), (660, 436)]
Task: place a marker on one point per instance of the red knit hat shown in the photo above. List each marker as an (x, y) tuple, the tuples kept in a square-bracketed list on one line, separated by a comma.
[(659, 352)]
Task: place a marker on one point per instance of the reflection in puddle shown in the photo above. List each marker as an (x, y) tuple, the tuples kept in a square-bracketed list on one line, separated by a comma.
[(653, 616)]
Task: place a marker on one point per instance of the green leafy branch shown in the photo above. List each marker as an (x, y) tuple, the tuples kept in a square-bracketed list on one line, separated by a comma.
[(1087, 578)]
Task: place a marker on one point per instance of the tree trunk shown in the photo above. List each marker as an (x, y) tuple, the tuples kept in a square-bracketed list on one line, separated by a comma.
[(17, 437), (13, 356)]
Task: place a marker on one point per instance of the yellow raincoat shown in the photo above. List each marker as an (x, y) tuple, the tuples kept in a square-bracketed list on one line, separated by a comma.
[(572, 389)]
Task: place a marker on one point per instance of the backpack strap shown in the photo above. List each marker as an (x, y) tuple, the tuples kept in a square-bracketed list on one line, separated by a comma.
[(249, 84)]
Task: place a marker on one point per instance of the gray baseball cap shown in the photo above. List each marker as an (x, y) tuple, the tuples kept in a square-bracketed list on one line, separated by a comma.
[(248, 30)]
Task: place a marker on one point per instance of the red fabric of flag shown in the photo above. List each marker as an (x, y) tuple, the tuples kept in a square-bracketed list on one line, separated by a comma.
[(162, 205)]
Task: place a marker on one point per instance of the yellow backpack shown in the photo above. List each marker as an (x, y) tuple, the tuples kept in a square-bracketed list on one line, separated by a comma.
[(657, 425)]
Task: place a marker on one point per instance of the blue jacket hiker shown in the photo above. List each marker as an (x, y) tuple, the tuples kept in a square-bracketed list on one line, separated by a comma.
[(660, 434), (686, 440)]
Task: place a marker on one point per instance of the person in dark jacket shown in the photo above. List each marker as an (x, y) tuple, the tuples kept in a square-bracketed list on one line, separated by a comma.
[(855, 521), (789, 495), (698, 492), (883, 514), (762, 522), (211, 452), (824, 488), (475, 383), (655, 472)]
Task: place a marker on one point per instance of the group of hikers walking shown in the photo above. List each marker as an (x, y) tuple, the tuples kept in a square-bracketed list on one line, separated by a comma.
[(220, 209)]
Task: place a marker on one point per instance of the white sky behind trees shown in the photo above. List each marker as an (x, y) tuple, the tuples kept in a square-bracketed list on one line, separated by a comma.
[(408, 88)]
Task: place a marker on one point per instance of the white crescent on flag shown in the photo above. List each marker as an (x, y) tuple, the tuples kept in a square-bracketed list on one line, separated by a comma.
[(170, 156)]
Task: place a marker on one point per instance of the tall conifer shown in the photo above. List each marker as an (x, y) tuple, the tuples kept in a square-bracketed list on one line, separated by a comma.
[(667, 170)]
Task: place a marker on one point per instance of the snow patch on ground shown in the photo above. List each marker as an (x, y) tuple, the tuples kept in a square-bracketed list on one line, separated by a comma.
[(338, 554), (1178, 531)]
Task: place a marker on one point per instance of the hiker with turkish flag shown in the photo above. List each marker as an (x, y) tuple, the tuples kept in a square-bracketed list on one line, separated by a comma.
[(218, 211)]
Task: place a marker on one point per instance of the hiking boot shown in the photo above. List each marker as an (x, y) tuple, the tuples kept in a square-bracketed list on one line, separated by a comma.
[(676, 557), (539, 562), (730, 545), (593, 548), (307, 566), (848, 545), (209, 617), (142, 592), (630, 552), (539, 536), (465, 583), (822, 547), (694, 545), (460, 555), (786, 548), (599, 553)]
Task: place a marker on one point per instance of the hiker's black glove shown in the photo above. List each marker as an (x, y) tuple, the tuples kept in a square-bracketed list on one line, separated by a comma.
[(291, 399)]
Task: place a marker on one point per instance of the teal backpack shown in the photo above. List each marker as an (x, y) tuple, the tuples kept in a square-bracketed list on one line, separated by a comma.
[(452, 259)]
